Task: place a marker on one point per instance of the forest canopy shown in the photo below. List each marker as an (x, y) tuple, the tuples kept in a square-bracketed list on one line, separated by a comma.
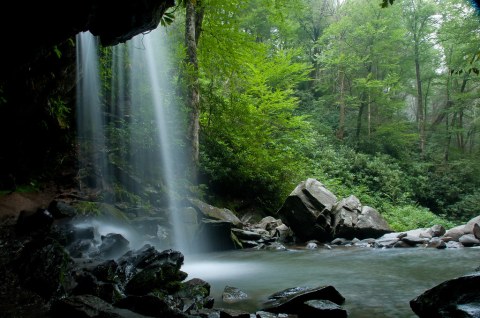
[(377, 102)]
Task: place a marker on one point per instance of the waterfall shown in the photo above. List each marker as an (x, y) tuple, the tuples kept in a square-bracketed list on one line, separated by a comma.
[(130, 127), (90, 121)]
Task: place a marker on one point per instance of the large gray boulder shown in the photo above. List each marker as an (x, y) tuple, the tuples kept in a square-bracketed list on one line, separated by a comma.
[(352, 220), (307, 211), (211, 212), (313, 213)]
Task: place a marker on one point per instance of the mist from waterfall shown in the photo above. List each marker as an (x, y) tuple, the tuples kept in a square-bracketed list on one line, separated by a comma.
[(149, 54), (130, 123)]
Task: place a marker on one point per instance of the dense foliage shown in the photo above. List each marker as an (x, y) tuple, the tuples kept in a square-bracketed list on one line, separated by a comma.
[(377, 102)]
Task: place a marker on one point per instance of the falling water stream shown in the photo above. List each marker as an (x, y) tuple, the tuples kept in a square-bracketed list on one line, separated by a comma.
[(129, 124), (375, 282)]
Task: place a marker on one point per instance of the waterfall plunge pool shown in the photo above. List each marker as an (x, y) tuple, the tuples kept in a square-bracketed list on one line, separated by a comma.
[(374, 282)]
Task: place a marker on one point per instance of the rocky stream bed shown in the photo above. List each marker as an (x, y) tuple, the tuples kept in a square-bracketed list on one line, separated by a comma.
[(54, 263)]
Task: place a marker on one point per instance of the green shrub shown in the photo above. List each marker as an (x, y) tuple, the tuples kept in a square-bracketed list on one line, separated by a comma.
[(409, 217)]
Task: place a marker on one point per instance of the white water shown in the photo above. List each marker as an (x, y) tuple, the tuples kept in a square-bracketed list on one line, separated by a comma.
[(148, 52), (89, 111), (141, 121)]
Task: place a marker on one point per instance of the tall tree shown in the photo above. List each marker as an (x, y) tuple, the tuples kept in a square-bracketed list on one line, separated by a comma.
[(194, 12), (419, 17)]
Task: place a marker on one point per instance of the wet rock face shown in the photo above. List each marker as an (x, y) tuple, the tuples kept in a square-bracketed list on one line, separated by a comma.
[(459, 297), (48, 23)]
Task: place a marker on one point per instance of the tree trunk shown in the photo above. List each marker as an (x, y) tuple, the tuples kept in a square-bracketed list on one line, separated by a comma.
[(420, 109), (341, 117), (192, 34), (359, 119)]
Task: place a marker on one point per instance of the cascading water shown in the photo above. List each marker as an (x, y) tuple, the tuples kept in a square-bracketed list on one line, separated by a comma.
[(130, 129), (146, 52), (90, 121)]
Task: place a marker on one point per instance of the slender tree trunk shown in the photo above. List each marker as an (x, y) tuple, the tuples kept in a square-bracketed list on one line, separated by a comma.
[(420, 109), (369, 111), (192, 35), (361, 109), (448, 134), (341, 117)]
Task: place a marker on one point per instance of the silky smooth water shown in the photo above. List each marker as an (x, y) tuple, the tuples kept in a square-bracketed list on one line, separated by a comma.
[(374, 282)]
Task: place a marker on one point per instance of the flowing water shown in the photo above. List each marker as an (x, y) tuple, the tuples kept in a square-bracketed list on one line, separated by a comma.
[(374, 282), (130, 127)]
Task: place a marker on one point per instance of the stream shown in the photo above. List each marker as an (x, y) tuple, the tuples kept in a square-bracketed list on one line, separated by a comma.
[(374, 282)]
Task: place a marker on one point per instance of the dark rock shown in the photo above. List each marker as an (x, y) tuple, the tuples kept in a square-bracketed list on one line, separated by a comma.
[(233, 295), (437, 243), (207, 313), (386, 242), (322, 308), (194, 294), (209, 211), (61, 209), (292, 300), (368, 242), (106, 271), (266, 314), (113, 245), (149, 255), (86, 306), (215, 236), (29, 222), (458, 297), (307, 211), (155, 277), (413, 240), (81, 248), (45, 267), (52, 23), (339, 241), (132, 262), (246, 235), (284, 234), (149, 305), (232, 313), (401, 244), (268, 223)]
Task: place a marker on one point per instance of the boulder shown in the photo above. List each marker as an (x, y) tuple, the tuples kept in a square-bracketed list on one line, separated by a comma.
[(323, 308), (307, 211), (292, 300), (458, 297), (455, 232), (88, 306), (233, 295), (472, 226), (362, 222), (209, 211)]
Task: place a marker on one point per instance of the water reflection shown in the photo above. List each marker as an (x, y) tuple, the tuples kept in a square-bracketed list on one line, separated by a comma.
[(375, 282)]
